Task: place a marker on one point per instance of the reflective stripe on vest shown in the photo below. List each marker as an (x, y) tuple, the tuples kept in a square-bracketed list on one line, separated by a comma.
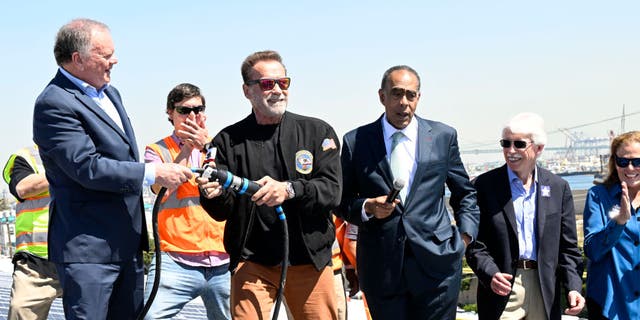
[(184, 225), (32, 218), (32, 215)]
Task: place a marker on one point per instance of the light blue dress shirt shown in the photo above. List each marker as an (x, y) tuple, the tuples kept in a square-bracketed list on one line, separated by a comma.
[(98, 96), (524, 205), (93, 93)]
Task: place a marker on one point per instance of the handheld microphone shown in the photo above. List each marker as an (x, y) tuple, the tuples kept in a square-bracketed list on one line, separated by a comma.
[(398, 184), (228, 180)]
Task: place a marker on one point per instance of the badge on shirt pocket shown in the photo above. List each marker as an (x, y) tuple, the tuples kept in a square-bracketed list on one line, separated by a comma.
[(304, 161)]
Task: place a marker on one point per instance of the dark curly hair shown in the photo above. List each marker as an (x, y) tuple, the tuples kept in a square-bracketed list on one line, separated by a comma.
[(181, 92)]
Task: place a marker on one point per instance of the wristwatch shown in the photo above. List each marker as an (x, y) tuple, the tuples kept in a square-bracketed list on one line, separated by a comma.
[(290, 192)]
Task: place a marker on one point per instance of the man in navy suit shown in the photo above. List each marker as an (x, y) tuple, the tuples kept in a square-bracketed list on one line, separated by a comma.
[(409, 252), (527, 245), (97, 229)]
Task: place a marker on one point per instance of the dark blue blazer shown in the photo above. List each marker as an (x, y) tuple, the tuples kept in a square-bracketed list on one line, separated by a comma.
[(496, 248), (96, 211), (422, 222)]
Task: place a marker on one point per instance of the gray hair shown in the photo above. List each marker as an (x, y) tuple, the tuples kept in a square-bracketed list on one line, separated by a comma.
[(387, 75), (527, 123), (75, 36)]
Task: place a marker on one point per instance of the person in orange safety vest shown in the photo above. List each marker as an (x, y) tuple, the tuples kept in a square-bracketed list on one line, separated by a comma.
[(194, 261)]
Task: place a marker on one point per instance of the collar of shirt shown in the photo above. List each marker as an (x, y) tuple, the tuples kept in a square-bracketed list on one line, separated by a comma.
[(175, 138), (524, 206), (410, 132), (87, 88), (517, 187)]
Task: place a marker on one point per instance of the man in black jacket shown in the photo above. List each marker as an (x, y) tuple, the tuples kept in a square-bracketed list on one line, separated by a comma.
[(527, 247), (296, 161)]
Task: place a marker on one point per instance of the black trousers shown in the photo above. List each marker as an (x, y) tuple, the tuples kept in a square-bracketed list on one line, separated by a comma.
[(423, 297), (594, 310)]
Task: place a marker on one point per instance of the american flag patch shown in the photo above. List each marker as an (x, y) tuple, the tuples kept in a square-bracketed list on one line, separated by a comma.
[(328, 144)]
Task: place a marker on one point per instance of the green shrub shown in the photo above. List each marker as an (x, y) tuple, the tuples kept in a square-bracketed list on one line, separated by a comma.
[(472, 307), (147, 256), (465, 284)]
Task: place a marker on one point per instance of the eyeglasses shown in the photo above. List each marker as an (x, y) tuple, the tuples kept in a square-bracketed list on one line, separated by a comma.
[(269, 84), (518, 144), (624, 162), (398, 93), (187, 110)]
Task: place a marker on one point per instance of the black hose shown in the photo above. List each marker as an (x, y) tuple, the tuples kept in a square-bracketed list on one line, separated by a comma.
[(285, 262), (156, 243)]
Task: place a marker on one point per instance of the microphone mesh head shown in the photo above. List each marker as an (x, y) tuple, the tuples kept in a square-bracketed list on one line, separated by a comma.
[(398, 184)]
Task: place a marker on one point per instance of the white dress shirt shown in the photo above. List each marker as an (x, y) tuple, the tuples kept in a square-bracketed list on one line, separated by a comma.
[(408, 148)]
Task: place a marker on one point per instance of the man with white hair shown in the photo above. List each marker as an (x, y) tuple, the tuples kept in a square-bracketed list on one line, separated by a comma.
[(526, 248)]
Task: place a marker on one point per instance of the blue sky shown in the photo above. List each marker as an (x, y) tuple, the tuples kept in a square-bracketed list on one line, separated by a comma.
[(574, 62)]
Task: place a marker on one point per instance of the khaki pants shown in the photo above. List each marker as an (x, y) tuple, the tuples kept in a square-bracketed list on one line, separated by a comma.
[(35, 286), (310, 294), (341, 295), (525, 300)]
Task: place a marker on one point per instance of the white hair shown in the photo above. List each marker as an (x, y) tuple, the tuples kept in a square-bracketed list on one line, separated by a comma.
[(527, 123)]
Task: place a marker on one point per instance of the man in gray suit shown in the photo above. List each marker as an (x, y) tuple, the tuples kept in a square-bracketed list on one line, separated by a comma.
[(409, 252)]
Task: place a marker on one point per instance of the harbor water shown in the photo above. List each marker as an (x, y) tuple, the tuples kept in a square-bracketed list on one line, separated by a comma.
[(580, 182)]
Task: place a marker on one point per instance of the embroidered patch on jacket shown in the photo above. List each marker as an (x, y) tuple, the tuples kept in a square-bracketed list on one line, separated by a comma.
[(328, 144), (304, 161), (546, 191)]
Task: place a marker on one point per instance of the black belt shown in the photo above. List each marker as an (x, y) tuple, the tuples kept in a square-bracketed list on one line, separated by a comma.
[(527, 264)]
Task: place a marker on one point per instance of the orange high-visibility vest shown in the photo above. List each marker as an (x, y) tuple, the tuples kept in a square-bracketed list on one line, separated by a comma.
[(183, 225), (336, 253)]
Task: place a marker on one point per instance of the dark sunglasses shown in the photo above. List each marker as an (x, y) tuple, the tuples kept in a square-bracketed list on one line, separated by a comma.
[(518, 144), (187, 110), (398, 93), (269, 84), (624, 162)]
